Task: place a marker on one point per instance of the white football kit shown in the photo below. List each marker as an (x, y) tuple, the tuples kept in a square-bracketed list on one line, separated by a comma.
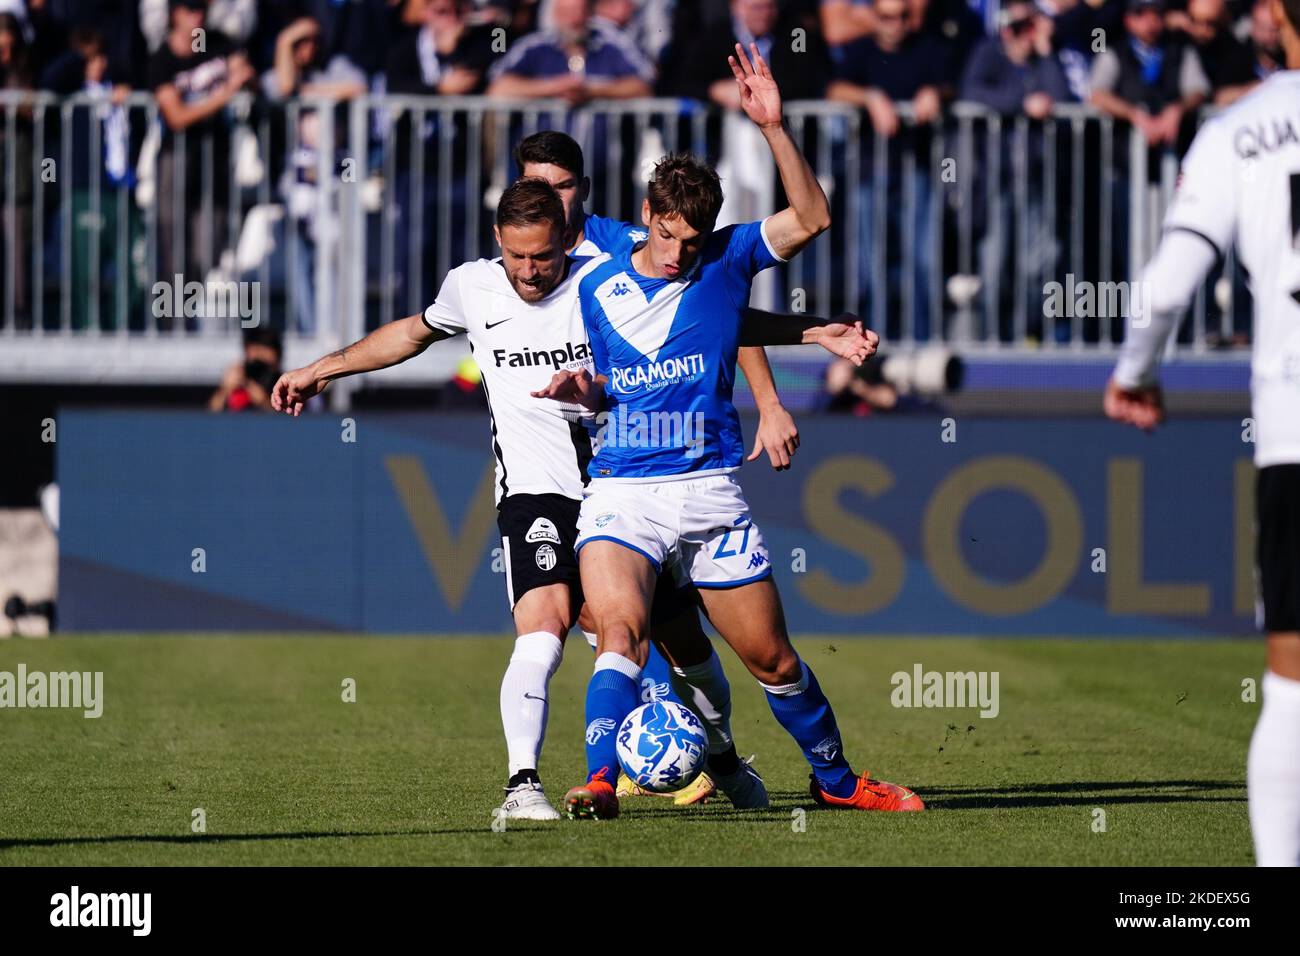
[(541, 447), (1240, 182)]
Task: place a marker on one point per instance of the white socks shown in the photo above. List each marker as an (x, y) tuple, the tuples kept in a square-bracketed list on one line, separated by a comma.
[(1273, 774), (609, 661), (789, 690), (524, 696), (705, 690)]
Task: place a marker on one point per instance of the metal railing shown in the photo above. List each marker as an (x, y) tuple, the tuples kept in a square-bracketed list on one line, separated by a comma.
[(132, 255)]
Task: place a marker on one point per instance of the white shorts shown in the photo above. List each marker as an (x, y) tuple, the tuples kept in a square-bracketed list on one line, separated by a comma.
[(700, 528)]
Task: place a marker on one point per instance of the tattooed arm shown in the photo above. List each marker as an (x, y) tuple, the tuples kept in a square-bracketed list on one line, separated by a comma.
[(389, 344)]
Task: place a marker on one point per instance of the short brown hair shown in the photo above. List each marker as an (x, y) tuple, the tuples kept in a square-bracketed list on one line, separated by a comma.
[(526, 202), (683, 186)]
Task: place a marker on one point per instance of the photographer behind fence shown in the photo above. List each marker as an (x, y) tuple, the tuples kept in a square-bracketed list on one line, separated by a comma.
[(247, 384), (889, 382)]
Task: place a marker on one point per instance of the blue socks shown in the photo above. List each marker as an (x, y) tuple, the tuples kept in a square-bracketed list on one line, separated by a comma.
[(656, 682), (657, 679), (612, 694), (805, 713)]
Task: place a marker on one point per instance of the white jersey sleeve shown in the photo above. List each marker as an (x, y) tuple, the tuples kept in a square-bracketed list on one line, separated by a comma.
[(1199, 227), (1239, 188), (447, 314), (1206, 201)]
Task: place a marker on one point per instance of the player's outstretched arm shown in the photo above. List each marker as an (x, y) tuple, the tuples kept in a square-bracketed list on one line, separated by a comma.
[(388, 345), (809, 212), (577, 388), (1165, 292), (842, 336)]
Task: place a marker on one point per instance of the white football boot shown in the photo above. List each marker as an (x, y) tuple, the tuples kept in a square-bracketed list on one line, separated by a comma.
[(527, 801), (744, 788)]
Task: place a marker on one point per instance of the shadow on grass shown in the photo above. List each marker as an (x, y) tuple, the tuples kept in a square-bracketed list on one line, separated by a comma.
[(1024, 796), (210, 838), (1083, 793)]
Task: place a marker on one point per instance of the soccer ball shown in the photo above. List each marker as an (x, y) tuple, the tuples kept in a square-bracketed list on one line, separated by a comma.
[(661, 746)]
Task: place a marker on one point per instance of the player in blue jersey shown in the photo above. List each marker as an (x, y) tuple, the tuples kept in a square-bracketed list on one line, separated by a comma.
[(665, 319), (557, 158)]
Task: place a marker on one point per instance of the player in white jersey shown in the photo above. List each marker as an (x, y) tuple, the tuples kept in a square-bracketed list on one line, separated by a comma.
[(521, 317), (1240, 182)]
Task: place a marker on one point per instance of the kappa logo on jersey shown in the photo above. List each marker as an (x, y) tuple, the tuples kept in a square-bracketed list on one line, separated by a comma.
[(757, 560), (599, 728), (638, 235), (545, 557), (651, 691), (602, 520), (554, 358), (542, 530), (643, 324)]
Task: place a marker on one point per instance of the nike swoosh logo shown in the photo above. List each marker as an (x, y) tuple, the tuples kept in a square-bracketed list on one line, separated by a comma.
[(493, 325), (526, 694)]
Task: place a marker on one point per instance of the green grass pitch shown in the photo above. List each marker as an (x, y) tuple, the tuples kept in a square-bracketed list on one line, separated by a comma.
[(254, 731)]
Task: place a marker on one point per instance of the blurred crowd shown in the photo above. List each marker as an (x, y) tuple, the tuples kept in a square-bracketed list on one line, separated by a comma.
[(903, 62), (1126, 56)]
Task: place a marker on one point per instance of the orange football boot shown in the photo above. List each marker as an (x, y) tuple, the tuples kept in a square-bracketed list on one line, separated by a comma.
[(594, 800), (870, 795)]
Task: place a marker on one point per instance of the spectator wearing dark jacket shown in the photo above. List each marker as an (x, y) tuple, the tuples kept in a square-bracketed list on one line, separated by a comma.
[(955, 27), (1078, 22), (1017, 71), (1228, 63), (1265, 40), (575, 60), (193, 88), (802, 68), (446, 55), (896, 64), (1149, 78)]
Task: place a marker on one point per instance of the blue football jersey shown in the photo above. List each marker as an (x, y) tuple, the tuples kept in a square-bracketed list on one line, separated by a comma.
[(614, 236), (668, 347)]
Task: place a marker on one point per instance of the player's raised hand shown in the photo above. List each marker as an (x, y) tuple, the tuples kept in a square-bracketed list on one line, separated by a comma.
[(1142, 408), (578, 388), (293, 389), (777, 435), (844, 336), (760, 97)]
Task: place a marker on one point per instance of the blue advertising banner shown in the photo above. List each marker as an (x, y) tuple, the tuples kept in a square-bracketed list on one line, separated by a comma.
[(386, 523)]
